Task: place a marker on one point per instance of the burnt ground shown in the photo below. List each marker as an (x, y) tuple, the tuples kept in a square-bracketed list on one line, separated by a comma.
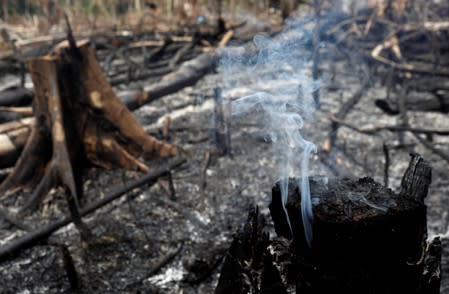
[(133, 233)]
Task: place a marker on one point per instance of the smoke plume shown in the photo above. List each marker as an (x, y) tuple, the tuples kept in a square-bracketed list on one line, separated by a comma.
[(279, 92)]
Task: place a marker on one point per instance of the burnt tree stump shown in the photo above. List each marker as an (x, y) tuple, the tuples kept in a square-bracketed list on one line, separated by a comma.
[(366, 239), (79, 121)]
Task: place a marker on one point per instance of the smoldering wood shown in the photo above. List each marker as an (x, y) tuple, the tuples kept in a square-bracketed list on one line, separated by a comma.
[(245, 256), (366, 238), (353, 222), (10, 249)]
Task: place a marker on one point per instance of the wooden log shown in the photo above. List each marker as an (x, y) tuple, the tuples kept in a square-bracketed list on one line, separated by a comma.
[(8, 114), (437, 103), (16, 97), (13, 136), (366, 239), (187, 75)]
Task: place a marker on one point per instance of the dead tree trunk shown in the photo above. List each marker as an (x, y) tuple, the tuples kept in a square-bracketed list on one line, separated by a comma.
[(79, 121)]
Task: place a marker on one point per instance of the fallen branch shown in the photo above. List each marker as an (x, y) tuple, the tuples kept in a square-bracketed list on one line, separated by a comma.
[(16, 97), (429, 146), (188, 74), (342, 113), (26, 241), (438, 103), (377, 129), (4, 214), (158, 264)]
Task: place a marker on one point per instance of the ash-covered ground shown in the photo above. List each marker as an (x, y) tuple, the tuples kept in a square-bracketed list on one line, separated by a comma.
[(131, 235)]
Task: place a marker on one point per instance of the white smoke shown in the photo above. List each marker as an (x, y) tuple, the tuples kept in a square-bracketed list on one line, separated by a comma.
[(280, 92)]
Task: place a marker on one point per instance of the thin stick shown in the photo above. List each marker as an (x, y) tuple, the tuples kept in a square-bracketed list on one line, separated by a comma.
[(160, 263), (387, 163), (203, 179), (26, 241), (344, 111), (4, 214), (376, 129), (429, 145)]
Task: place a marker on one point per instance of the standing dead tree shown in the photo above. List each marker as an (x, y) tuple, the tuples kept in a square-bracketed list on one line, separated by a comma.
[(79, 121)]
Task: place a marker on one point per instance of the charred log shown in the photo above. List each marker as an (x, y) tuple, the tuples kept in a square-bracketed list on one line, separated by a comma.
[(437, 103)]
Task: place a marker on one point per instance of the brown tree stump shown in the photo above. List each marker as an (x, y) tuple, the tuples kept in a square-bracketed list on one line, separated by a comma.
[(366, 239), (79, 121)]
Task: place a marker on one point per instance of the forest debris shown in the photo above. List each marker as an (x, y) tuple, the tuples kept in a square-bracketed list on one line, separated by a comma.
[(372, 130), (438, 102), (69, 83), (25, 111), (344, 111), (69, 267), (16, 97), (4, 214), (158, 265), (417, 178), (23, 242), (444, 155), (187, 75), (166, 128), (225, 39), (241, 268), (386, 152), (352, 219), (222, 128)]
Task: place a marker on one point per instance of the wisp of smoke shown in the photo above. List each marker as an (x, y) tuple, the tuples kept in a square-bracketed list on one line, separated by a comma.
[(280, 96)]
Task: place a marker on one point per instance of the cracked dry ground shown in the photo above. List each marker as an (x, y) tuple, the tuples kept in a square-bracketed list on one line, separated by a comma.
[(132, 234)]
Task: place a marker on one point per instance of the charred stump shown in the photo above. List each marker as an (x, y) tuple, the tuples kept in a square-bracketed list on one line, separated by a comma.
[(244, 263), (79, 121), (366, 239)]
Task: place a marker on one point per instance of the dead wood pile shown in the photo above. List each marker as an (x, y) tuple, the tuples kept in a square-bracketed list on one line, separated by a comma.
[(404, 48)]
